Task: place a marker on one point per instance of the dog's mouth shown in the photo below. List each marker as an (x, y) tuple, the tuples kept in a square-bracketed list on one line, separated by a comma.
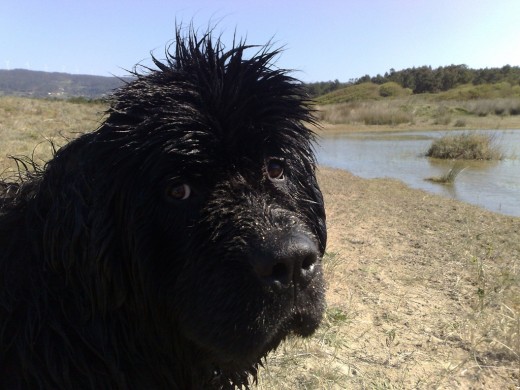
[(272, 291), (291, 311), (297, 323)]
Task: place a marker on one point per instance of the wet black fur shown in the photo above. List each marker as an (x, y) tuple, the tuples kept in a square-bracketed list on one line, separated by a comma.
[(106, 282)]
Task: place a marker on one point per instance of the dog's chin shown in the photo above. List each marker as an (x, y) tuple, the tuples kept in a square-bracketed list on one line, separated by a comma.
[(250, 349), (250, 355), (306, 325), (235, 338)]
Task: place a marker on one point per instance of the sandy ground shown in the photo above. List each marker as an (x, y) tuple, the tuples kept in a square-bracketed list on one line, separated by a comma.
[(423, 293), (409, 270)]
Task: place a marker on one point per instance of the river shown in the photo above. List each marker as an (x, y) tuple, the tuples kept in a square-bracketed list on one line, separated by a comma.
[(494, 185)]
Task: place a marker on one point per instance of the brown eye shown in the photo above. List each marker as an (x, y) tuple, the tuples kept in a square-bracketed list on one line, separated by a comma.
[(275, 170), (179, 192)]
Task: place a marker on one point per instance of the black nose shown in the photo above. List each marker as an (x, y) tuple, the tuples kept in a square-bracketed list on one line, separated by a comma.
[(286, 260)]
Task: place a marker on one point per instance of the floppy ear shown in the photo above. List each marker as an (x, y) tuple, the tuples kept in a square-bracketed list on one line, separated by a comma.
[(78, 233), (65, 201)]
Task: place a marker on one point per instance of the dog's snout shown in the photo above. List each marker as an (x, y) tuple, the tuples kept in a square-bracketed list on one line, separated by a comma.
[(289, 260)]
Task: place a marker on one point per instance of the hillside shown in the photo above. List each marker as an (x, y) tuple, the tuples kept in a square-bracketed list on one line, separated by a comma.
[(29, 83), (371, 91), (426, 79), (369, 106), (374, 104)]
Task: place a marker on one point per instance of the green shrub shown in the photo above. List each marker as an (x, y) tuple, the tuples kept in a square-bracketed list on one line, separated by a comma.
[(466, 146), (482, 91), (442, 116), (514, 111), (392, 89), (514, 108), (460, 123), (85, 100), (352, 93)]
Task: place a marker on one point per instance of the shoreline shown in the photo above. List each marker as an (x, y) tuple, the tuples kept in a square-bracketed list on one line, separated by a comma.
[(329, 168), (486, 194), (474, 123)]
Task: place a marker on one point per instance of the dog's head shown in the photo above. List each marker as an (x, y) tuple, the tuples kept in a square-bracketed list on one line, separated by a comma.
[(205, 177)]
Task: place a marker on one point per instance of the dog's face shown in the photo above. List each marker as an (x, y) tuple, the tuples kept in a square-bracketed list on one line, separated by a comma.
[(224, 218), (245, 229)]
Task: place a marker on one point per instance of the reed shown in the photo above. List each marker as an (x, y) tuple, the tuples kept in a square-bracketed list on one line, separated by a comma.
[(466, 146), (450, 176), (366, 113)]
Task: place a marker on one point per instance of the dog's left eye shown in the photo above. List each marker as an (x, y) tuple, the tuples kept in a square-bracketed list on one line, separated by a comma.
[(275, 170), (179, 192)]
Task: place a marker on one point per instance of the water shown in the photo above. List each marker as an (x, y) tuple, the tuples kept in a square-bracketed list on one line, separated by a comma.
[(494, 185)]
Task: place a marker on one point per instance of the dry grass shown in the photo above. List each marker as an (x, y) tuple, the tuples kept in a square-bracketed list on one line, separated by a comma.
[(424, 112), (495, 318), (366, 113), (433, 285), (466, 146), (501, 107), (26, 125), (423, 292)]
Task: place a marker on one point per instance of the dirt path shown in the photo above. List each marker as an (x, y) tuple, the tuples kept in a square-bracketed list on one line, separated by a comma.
[(424, 293)]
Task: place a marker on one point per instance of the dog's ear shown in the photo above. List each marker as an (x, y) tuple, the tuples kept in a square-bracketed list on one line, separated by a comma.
[(66, 220), (79, 229)]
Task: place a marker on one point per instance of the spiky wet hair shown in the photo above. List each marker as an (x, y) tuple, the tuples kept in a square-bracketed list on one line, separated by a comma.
[(202, 83)]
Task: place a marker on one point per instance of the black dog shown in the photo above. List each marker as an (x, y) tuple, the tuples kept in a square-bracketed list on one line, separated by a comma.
[(175, 246)]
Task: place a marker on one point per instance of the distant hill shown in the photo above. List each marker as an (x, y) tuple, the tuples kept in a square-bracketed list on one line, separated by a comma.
[(30, 83), (425, 79)]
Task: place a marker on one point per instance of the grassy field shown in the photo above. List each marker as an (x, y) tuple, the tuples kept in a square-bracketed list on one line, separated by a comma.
[(26, 126), (423, 291), (414, 113), (362, 107)]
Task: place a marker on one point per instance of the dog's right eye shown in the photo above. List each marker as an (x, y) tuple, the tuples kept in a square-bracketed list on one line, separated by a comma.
[(179, 192), (275, 170)]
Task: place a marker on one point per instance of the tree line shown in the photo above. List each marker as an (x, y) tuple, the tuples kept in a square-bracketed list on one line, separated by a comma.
[(427, 79)]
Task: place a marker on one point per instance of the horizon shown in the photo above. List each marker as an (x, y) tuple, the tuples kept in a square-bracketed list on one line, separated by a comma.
[(337, 40), (351, 81)]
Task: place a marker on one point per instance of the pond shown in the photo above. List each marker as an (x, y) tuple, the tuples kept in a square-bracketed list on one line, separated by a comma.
[(494, 185)]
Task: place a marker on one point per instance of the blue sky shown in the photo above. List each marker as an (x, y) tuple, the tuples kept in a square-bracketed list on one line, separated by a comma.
[(323, 40)]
